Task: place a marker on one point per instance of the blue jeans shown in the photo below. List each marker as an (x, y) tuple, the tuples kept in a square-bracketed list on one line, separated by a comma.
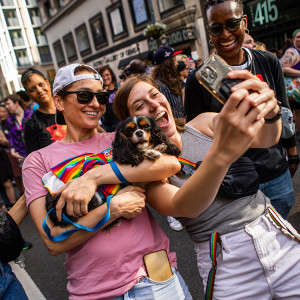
[(10, 286), (146, 289), (281, 193)]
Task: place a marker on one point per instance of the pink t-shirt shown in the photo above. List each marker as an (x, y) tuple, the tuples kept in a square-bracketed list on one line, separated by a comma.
[(109, 263)]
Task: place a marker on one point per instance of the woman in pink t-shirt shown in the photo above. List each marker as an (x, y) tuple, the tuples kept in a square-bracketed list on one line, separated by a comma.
[(100, 265)]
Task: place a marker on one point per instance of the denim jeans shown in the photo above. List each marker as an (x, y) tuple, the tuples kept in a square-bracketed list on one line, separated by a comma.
[(146, 289), (281, 193), (10, 286)]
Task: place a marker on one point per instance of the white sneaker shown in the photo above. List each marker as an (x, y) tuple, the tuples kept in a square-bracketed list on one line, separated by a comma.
[(174, 224)]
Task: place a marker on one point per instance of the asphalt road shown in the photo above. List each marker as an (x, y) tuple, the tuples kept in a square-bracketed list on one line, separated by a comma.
[(49, 275)]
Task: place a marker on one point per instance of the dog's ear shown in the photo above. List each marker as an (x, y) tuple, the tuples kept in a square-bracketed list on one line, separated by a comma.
[(158, 137), (124, 151)]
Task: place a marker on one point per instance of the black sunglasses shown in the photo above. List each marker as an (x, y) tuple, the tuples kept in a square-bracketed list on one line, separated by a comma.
[(86, 97), (231, 25)]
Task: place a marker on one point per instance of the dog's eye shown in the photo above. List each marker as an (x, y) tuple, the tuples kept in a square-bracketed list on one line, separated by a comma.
[(146, 126), (128, 131)]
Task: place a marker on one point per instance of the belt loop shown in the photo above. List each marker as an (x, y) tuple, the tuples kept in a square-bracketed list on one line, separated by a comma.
[(214, 240)]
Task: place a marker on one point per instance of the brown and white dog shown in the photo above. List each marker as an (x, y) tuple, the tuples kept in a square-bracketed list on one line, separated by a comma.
[(140, 137)]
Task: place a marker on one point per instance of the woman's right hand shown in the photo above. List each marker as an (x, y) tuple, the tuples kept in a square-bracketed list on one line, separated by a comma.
[(128, 202), (76, 194)]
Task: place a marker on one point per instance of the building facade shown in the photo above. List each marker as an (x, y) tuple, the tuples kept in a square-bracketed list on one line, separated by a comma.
[(22, 43), (111, 32)]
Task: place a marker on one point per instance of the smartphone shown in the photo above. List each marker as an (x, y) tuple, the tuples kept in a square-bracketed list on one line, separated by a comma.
[(213, 76), (157, 265)]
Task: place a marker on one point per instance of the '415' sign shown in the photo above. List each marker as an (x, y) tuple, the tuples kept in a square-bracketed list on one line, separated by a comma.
[(261, 12)]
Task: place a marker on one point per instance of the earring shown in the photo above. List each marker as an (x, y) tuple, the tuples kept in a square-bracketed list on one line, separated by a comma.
[(247, 30), (210, 42)]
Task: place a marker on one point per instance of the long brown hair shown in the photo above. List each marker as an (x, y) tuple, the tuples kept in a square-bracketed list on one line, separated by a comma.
[(120, 104), (112, 74), (166, 72)]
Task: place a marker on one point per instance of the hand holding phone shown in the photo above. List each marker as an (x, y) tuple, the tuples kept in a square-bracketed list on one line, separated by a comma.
[(213, 76)]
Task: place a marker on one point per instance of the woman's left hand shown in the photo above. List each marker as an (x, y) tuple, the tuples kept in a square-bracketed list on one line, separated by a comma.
[(260, 95)]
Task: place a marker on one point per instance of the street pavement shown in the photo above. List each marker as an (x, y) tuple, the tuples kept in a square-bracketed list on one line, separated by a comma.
[(44, 276)]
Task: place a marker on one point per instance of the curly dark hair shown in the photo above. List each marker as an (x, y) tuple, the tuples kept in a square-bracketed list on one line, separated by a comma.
[(166, 72), (210, 3)]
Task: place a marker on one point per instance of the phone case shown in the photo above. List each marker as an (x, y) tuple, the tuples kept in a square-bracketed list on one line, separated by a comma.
[(157, 265), (213, 76)]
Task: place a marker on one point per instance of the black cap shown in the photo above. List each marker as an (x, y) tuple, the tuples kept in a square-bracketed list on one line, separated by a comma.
[(163, 53)]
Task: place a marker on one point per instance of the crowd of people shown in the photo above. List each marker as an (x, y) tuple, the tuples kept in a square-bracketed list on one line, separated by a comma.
[(232, 201)]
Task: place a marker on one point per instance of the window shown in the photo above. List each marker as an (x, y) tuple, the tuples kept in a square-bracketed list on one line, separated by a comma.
[(45, 54), (22, 58), (169, 7), (16, 38), (7, 3), (48, 10), (35, 16), (117, 21), (11, 17), (40, 37), (140, 13), (70, 47), (32, 2), (98, 31), (83, 42), (59, 54)]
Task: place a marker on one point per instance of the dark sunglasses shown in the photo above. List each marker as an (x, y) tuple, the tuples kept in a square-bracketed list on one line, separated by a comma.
[(86, 97), (231, 25)]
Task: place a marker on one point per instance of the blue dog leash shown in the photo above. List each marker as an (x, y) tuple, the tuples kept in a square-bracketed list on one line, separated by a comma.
[(67, 233)]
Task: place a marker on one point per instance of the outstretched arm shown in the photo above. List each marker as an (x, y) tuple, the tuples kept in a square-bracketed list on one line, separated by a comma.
[(234, 130), (288, 60)]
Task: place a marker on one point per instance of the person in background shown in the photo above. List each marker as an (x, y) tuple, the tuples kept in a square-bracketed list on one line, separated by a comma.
[(136, 66), (27, 103), (109, 121), (182, 57), (11, 245), (275, 51), (199, 62), (41, 129), (6, 171), (165, 73), (260, 46), (249, 42), (290, 64), (15, 125), (227, 27), (183, 73), (12, 162), (191, 64)]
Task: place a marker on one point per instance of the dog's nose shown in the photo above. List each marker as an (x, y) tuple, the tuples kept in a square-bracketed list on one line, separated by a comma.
[(139, 133)]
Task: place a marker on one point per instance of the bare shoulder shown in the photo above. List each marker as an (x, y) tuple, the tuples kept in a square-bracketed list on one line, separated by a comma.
[(204, 123)]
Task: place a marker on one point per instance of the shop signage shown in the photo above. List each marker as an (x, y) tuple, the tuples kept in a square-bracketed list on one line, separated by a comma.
[(116, 56), (173, 38)]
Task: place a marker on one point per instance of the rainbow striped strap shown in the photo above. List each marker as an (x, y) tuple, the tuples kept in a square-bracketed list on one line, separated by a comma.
[(67, 233), (214, 240), (277, 219), (188, 163)]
